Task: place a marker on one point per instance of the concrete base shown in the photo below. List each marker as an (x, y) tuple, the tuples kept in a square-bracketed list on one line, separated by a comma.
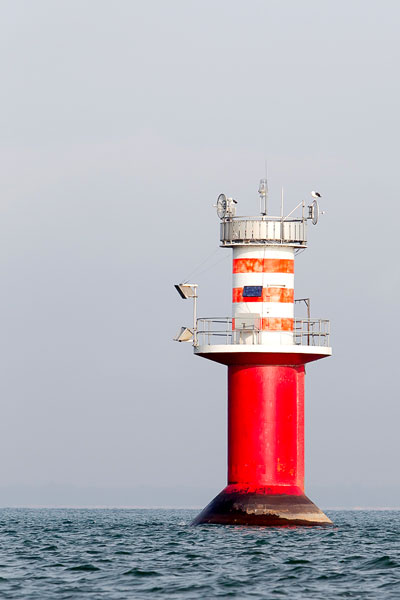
[(261, 509)]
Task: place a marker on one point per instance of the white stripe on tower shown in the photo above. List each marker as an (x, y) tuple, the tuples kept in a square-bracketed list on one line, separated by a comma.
[(274, 279)]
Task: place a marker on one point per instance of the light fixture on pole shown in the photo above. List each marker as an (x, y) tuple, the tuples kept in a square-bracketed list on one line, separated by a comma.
[(185, 334), (188, 290)]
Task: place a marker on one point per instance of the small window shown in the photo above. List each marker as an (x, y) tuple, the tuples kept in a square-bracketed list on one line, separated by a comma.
[(252, 291)]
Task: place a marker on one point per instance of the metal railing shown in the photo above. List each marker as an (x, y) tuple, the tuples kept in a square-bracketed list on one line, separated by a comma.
[(218, 330), (311, 332), (214, 330), (271, 230)]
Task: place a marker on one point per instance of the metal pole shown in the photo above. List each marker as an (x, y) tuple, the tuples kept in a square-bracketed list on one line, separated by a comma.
[(195, 318)]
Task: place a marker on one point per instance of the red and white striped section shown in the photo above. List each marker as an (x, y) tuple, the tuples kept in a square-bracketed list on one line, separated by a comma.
[(272, 269)]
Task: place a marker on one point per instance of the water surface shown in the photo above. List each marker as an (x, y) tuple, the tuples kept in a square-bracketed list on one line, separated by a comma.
[(119, 554)]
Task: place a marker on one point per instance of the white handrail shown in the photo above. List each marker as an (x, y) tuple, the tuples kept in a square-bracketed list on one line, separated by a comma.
[(306, 332)]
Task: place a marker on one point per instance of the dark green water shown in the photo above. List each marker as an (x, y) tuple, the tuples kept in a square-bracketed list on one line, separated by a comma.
[(119, 554)]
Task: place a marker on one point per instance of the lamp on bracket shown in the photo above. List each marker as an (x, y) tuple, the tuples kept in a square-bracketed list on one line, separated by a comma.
[(188, 291)]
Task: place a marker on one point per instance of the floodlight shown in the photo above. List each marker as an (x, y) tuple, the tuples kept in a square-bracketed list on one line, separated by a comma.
[(222, 206), (184, 335), (186, 290)]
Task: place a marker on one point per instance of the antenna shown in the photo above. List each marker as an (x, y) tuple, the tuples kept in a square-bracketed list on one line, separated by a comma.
[(263, 193)]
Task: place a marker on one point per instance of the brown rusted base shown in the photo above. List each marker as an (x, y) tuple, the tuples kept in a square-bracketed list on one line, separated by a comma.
[(251, 508)]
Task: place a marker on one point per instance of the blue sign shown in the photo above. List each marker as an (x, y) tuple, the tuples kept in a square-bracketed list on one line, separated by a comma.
[(252, 291)]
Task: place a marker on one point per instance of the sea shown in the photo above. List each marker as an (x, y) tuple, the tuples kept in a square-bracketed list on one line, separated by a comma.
[(115, 554)]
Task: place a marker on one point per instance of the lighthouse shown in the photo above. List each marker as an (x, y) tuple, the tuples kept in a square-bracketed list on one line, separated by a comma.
[(265, 348)]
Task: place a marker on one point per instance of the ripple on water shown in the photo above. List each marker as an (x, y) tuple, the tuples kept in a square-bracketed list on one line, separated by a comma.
[(87, 567), (135, 572), (119, 554)]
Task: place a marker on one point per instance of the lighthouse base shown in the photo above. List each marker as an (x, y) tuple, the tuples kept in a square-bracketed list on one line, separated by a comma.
[(238, 505)]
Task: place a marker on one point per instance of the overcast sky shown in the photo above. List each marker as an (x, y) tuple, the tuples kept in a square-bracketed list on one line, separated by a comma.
[(121, 122)]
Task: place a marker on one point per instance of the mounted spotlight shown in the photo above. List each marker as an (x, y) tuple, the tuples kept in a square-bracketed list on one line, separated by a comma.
[(226, 208), (184, 335), (186, 291)]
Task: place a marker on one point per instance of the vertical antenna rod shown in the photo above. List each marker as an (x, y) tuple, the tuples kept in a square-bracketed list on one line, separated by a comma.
[(263, 193)]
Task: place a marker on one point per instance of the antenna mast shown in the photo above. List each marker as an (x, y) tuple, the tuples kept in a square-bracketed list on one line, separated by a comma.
[(263, 193)]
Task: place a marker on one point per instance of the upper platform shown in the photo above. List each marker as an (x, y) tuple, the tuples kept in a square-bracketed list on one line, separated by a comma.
[(263, 230), (216, 340), (295, 355)]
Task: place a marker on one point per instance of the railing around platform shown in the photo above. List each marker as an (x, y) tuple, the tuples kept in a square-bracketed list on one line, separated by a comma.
[(218, 330)]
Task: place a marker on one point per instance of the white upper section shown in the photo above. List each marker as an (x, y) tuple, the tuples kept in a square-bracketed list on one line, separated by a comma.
[(267, 260)]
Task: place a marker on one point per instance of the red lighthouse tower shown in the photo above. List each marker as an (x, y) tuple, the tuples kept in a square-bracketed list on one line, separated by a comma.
[(265, 349)]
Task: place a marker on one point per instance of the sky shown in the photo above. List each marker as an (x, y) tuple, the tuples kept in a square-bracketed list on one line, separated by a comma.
[(120, 124)]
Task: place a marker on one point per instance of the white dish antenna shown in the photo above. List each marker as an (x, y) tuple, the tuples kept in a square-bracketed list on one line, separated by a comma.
[(222, 206), (314, 212)]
